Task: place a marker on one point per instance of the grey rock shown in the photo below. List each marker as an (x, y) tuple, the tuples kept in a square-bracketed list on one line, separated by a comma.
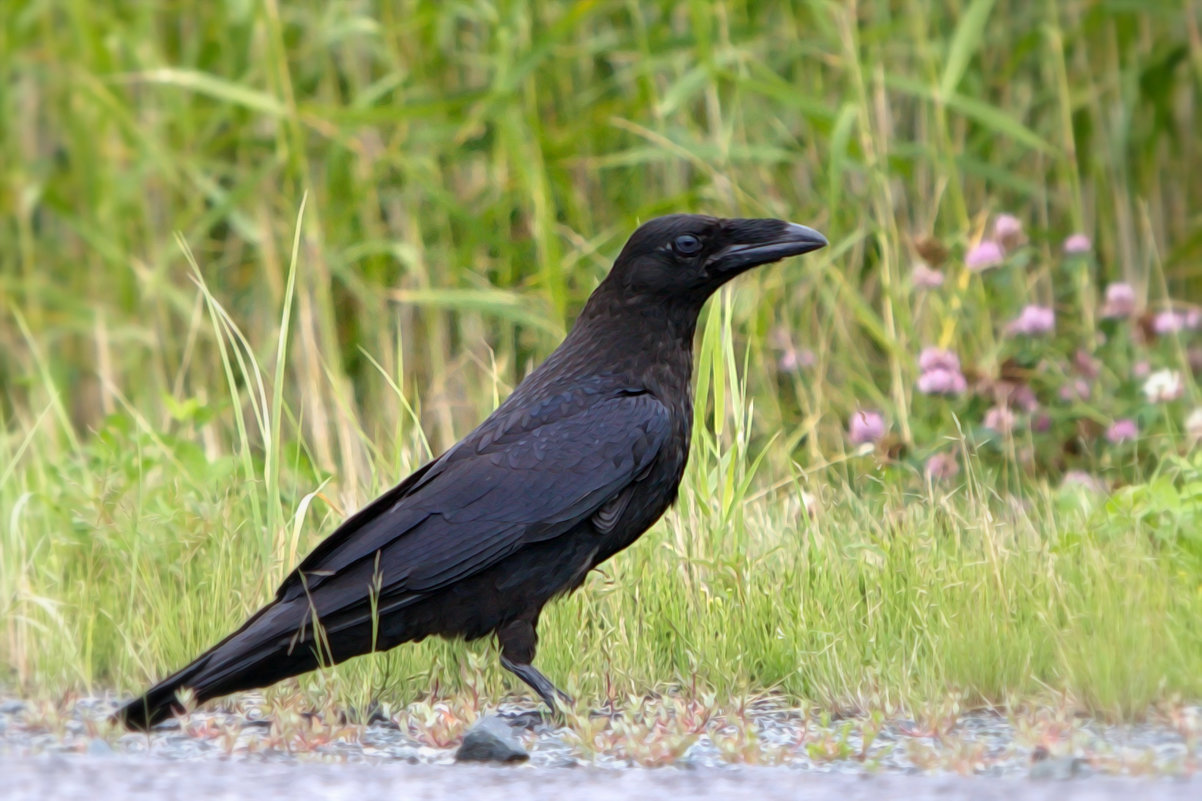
[(700, 754), (11, 707), (1059, 768), (99, 748), (491, 740)]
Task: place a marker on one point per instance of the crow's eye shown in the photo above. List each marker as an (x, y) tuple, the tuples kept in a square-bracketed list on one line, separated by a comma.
[(687, 244)]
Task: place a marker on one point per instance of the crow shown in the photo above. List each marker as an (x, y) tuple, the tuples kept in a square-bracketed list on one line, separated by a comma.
[(583, 457)]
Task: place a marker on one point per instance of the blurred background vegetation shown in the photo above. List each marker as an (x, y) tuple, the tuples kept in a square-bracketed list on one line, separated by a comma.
[(198, 378)]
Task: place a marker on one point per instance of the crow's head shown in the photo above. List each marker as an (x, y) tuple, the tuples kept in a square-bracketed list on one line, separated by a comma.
[(688, 256)]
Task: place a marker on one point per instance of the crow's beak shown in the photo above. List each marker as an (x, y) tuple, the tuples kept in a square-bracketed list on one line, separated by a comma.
[(765, 241)]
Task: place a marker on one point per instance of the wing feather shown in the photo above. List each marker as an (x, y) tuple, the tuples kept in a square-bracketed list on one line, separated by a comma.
[(520, 478)]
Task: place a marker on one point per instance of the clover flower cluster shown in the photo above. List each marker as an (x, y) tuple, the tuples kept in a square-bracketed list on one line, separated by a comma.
[(1077, 385)]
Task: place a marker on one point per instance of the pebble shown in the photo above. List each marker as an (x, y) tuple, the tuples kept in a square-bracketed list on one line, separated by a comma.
[(99, 748), (1059, 769), (491, 740)]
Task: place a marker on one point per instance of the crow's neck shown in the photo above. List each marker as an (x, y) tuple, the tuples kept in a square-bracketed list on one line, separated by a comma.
[(647, 345)]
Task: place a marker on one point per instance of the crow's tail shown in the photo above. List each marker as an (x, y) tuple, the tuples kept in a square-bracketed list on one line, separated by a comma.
[(265, 650)]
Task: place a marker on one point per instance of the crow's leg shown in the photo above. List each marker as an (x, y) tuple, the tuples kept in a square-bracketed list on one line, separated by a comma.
[(518, 641)]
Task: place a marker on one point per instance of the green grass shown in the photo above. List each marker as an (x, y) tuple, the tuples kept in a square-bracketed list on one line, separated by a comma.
[(259, 260)]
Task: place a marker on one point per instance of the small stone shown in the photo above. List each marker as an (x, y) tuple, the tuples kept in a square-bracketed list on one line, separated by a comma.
[(491, 740), (701, 754), (1051, 768), (12, 707), (99, 748)]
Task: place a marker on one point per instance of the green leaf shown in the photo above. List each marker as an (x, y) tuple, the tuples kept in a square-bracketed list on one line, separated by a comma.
[(210, 85), (965, 42)]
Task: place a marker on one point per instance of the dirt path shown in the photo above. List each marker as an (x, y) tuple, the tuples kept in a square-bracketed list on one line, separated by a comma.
[(98, 779)]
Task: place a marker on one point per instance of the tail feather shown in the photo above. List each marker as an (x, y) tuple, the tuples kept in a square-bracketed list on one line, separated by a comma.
[(257, 655), (160, 702), (277, 642)]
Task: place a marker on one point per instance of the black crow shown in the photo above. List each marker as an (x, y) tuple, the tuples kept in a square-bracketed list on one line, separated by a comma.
[(573, 467)]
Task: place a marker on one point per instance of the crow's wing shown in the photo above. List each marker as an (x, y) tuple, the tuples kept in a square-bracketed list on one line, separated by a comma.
[(525, 475)]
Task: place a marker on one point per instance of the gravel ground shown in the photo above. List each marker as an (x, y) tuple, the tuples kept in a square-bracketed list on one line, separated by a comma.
[(69, 750), (92, 779)]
